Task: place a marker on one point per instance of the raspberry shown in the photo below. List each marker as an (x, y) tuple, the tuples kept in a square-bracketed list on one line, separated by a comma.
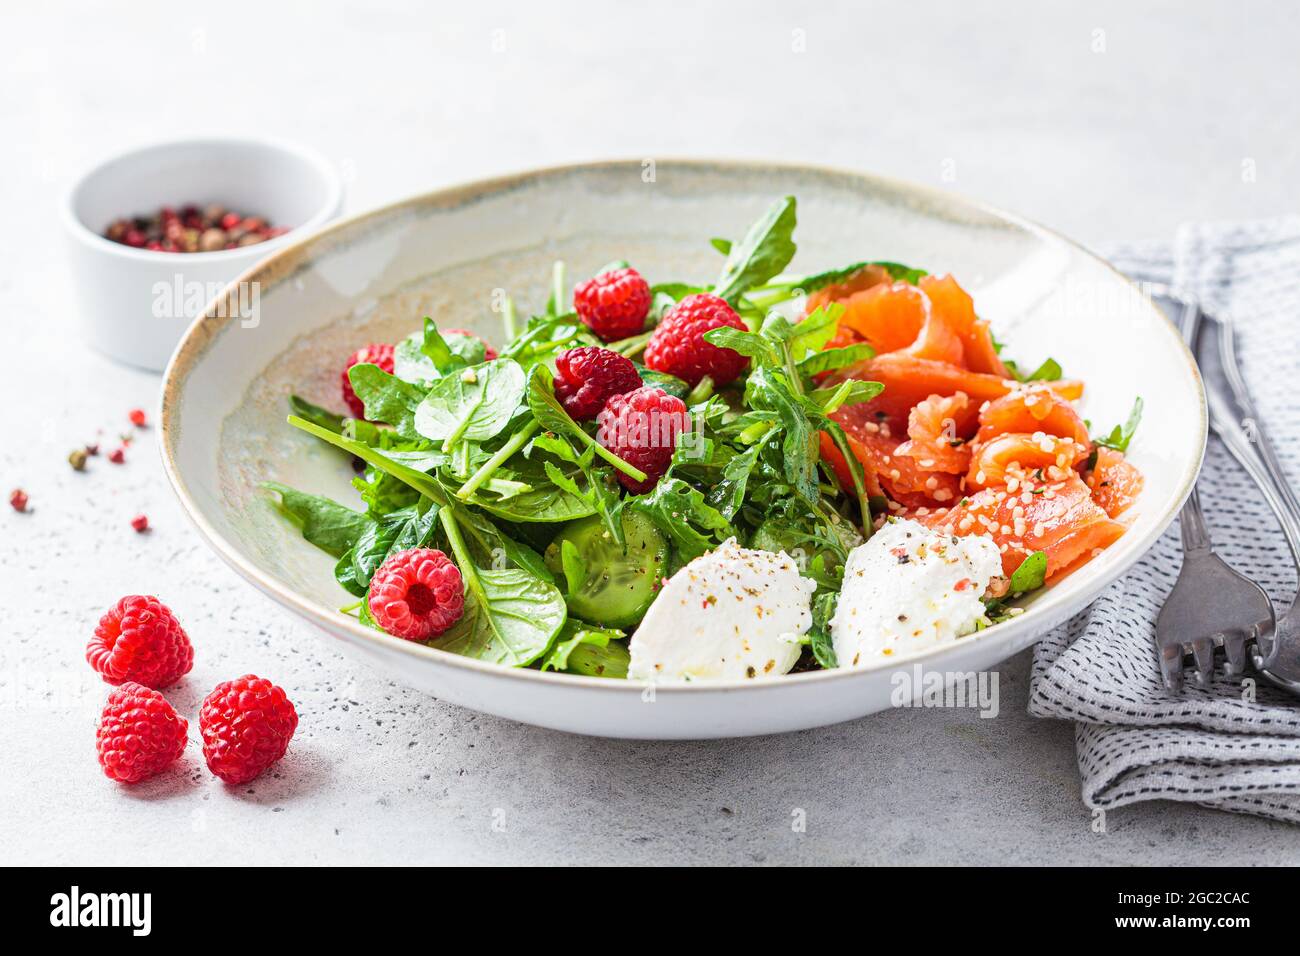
[(246, 726), (489, 352), (140, 640), (139, 733), (140, 523), (18, 499), (613, 304), (380, 354), (137, 417), (585, 378), (678, 347), (642, 427), (417, 594)]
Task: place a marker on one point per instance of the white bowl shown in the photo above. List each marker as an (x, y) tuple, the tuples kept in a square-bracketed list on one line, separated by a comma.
[(136, 303), (372, 277)]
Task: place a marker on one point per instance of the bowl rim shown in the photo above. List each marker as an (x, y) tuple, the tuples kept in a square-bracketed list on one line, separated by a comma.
[(280, 266), (333, 184)]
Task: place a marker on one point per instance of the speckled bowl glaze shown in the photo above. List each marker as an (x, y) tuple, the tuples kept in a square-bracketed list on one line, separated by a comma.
[(445, 254)]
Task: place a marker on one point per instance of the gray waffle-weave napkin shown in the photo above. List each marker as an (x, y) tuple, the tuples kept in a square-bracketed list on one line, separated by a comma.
[(1214, 745)]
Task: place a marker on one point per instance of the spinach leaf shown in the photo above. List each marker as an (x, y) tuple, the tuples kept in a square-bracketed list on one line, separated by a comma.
[(1030, 575), (425, 356), (387, 398), (511, 617), (682, 514), (766, 249), (1121, 435), (325, 523), (410, 527), (474, 404), (314, 413)]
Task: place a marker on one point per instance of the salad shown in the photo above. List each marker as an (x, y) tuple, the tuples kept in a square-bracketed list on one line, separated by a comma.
[(739, 479)]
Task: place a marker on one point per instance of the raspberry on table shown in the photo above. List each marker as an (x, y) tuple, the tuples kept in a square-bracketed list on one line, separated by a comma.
[(586, 377), (417, 594), (246, 726), (678, 347), (140, 640), (139, 734), (489, 352), (613, 304), (376, 353), (642, 428)]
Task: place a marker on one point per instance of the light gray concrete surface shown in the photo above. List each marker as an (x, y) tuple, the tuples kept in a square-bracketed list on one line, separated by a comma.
[(1103, 119)]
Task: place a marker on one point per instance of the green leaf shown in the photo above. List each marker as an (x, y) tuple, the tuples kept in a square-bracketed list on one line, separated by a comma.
[(387, 398), (513, 624), (410, 527), (729, 493), (583, 648), (722, 245), (819, 636), (849, 392), (1049, 371), (474, 404), (550, 414), (325, 523), (1121, 435), (671, 384), (767, 248), (575, 568), (831, 359), (314, 413), (682, 514), (897, 272), (1030, 575), (545, 500), (812, 334), (750, 344)]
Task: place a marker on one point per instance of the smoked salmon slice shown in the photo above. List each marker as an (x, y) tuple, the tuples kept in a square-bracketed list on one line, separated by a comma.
[(1036, 408), (937, 433), (1016, 457), (1115, 483), (894, 476), (955, 307), (1058, 518)]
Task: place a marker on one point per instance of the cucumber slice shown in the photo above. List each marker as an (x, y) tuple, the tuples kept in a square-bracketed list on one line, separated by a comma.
[(606, 585)]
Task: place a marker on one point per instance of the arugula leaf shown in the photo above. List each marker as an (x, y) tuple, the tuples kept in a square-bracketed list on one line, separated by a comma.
[(830, 359), (1030, 575), (1121, 435), (812, 333), (1049, 371), (671, 384), (767, 248), (387, 398), (896, 271), (550, 414), (849, 392), (583, 648), (474, 404), (729, 493), (751, 344), (681, 513), (325, 523), (314, 413), (819, 636)]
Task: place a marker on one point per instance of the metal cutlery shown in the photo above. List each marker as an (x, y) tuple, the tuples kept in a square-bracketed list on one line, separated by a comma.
[(1211, 603)]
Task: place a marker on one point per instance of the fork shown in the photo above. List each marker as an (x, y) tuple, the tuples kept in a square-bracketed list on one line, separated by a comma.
[(1211, 604), (1279, 662)]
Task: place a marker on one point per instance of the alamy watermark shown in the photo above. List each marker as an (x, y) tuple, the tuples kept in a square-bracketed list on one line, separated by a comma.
[(181, 299), (918, 687)]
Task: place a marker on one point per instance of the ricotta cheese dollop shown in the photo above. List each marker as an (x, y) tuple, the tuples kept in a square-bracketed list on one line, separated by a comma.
[(909, 588), (733, 613)]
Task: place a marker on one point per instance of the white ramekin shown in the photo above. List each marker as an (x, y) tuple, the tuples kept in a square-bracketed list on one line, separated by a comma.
[(136, 303)]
